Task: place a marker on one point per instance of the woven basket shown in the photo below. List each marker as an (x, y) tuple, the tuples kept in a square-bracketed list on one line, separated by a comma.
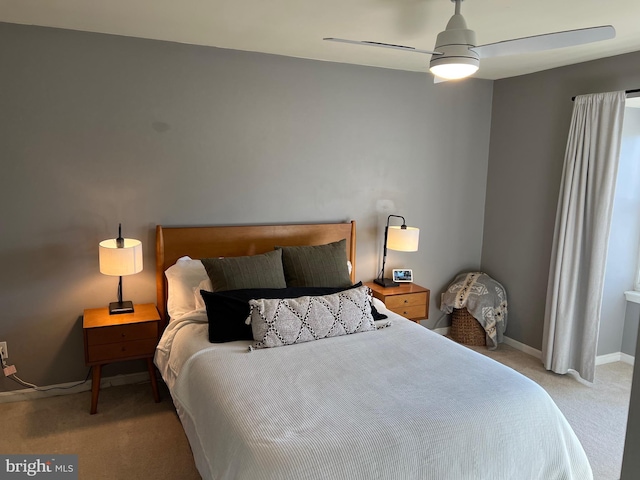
[(466, 329)]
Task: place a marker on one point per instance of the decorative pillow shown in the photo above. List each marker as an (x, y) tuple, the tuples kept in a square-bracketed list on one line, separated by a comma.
[(277, 322), (316, 265), (182, 278), (227, 311), (253, 271)]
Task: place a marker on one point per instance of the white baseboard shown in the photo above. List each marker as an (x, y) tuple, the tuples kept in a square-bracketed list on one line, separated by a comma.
[(625, 358), (600, 359), (522, 347), (509, 341), (69, 388), (443, 330), (615, 357)]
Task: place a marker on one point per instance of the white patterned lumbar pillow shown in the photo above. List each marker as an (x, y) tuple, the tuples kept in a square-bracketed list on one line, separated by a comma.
[(277, 322)]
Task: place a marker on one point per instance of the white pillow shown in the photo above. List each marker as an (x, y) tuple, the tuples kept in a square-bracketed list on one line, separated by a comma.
[(186, 278), (203, 285), (182, 278)]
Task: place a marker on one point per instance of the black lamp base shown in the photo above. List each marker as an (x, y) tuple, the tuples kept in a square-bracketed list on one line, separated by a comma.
[(120, 307), (386, 282)]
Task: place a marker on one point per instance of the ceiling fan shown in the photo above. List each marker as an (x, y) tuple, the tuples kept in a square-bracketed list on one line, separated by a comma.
[(456, 54)]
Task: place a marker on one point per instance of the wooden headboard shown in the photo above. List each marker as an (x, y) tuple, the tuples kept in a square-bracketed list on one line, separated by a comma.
[(233, 241)]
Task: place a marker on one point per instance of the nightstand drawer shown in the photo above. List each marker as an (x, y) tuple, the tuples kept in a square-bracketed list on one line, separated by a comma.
[(121, 350), (122, 333), (409, 300), (417, 311)]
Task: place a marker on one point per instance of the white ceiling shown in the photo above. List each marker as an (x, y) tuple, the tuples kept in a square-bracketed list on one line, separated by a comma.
[(296, 27)]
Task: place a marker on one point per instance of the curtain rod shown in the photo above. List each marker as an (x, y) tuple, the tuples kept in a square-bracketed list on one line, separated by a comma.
[(637, 90)]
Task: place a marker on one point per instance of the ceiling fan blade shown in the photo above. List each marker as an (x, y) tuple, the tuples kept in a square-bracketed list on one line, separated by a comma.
[(437, 79), (380, 44), (547, 41)]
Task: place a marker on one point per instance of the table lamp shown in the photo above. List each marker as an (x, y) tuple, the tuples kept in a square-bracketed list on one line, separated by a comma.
[(400, 238), (118, 257)]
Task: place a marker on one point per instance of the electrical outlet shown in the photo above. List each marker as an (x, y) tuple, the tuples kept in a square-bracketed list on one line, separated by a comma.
[(3, 350)]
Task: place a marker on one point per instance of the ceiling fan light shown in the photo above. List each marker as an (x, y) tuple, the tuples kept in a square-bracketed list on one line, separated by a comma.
[(456, 59), (455, 68)]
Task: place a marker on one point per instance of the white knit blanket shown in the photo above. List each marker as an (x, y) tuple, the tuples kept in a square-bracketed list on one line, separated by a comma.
[(484, 298), (398, 403)]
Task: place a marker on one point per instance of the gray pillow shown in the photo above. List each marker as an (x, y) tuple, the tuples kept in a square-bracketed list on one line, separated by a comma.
[(254, 271), (278, 322), (316, 265)]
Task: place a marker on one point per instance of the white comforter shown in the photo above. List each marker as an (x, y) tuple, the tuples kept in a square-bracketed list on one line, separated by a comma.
[(397, 403)]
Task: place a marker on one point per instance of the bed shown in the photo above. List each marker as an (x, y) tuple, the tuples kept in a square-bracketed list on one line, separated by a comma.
[(395, 402)]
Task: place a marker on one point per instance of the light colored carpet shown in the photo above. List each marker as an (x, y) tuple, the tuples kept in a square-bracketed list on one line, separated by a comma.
[(597, 412), (132, 437)]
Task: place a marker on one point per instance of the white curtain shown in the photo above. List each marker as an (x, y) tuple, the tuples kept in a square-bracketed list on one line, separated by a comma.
[(583, 220)]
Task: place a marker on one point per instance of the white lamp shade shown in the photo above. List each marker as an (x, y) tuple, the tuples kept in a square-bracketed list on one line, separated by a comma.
[(403, 239), (120, 261)]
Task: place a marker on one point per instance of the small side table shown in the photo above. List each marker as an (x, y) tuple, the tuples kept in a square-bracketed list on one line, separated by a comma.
[(115, 338), (408, 299)]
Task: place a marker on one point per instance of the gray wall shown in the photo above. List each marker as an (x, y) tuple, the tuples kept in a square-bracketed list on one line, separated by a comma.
[(631, 459), (623, 245), (529, 128), (100, 129), (630, 332)]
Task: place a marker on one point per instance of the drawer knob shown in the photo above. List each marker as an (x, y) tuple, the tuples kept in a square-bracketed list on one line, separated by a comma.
[(124, 349), (406, 301)]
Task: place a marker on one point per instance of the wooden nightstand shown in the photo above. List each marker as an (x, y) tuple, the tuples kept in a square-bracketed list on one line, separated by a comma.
[(409, 300), (114, 338)]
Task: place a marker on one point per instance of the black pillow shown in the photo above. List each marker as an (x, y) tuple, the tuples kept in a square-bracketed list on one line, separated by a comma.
[(228, 310)]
